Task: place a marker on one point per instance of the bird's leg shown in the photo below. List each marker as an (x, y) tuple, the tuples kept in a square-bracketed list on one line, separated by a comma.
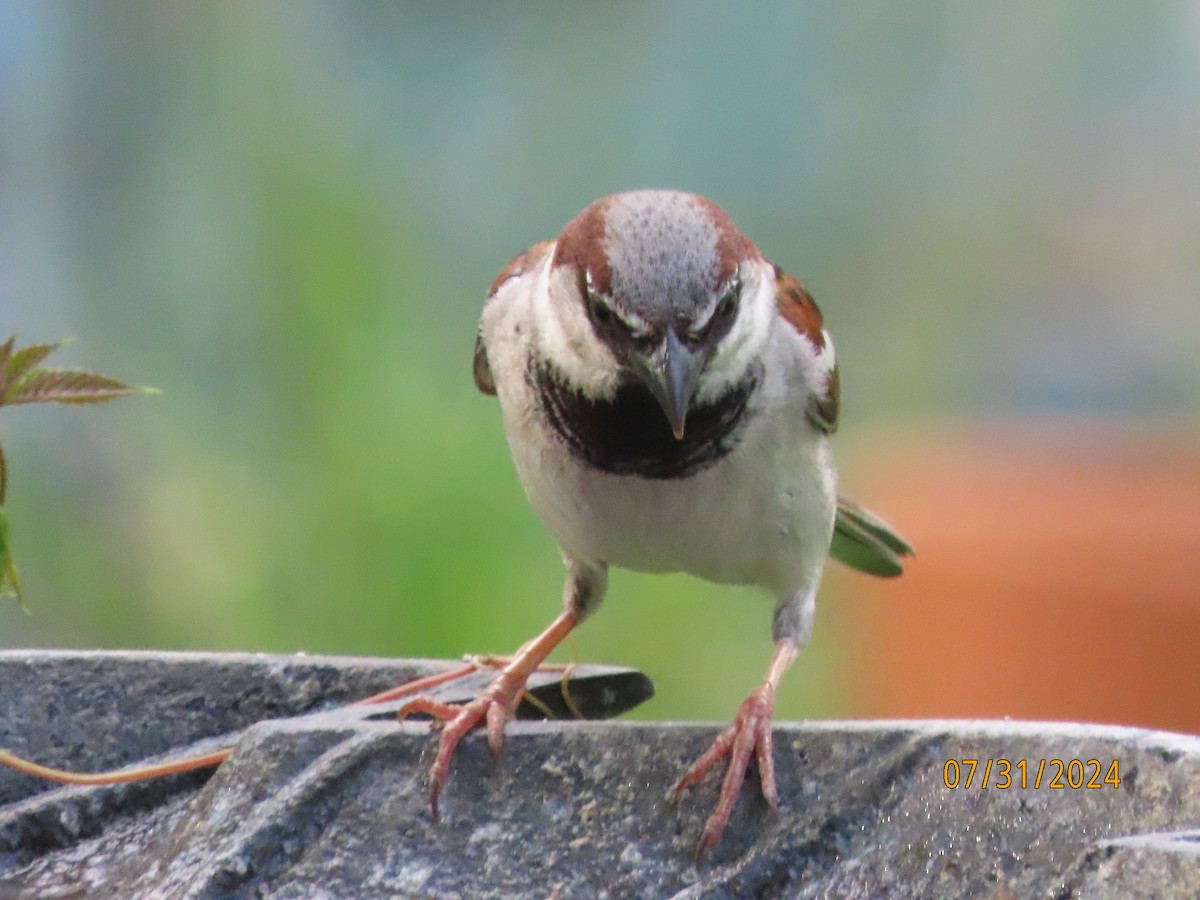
[(495, 705), (750, 732), (499, 700)]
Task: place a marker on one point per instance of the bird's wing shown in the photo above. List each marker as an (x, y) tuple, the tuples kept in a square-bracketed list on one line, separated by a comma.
[(519, 265), (799, 310), (863, 541)]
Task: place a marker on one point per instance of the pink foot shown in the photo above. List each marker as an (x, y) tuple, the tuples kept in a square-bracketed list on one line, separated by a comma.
[(749, 734), (495, 705)]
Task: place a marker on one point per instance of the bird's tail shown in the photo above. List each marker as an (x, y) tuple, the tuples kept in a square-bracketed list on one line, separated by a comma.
[(863, 541)]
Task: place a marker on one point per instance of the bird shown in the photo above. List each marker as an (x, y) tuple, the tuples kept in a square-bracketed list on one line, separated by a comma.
[(668, 396)]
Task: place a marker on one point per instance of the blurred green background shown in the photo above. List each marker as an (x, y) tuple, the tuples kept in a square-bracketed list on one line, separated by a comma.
[(286, 216)]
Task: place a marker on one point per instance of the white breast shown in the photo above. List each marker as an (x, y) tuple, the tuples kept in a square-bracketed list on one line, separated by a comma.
[(761, 515)]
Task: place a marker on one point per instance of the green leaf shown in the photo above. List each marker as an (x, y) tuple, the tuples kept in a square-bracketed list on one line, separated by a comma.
[(69, 386), (10, 583), (14, 365)]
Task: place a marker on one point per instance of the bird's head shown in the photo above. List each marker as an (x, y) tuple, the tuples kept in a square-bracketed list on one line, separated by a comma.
[(662, 288)]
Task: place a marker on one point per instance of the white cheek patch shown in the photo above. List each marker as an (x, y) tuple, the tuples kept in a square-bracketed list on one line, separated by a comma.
[(565, 335), (745, 341)]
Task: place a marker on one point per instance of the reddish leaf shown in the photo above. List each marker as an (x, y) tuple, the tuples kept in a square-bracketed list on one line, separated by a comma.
[(21, 381), (68, 386)]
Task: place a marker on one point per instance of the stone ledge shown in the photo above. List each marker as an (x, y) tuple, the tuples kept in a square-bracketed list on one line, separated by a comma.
[(331, 802)]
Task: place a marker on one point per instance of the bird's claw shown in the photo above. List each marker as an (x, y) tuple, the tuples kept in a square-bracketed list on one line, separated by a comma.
[(494, 706), (750, 734)]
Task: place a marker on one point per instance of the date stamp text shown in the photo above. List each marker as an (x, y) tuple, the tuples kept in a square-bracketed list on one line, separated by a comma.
[(1054, 774)]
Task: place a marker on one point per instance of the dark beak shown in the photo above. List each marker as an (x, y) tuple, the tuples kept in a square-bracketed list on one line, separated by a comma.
[(671, 374)]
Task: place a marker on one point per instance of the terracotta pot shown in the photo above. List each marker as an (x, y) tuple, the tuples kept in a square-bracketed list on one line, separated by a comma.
[(1057, 577)]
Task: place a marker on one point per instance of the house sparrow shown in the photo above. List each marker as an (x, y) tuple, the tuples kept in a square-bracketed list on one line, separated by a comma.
[(668, 396)]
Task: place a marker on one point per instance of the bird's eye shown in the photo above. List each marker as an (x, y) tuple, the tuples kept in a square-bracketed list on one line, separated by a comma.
[(599, 311), (727, 307)]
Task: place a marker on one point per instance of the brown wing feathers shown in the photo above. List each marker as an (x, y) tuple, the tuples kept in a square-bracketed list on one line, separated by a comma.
[(798, 308)]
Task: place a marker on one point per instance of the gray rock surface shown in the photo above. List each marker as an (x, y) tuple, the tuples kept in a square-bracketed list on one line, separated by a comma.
[(320, 802)]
